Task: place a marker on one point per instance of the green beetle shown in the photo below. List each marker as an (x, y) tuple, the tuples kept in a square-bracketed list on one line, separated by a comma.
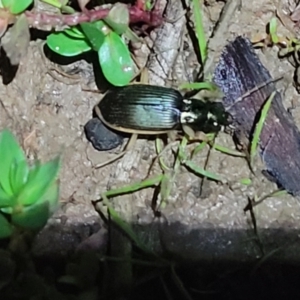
[(151, 110)]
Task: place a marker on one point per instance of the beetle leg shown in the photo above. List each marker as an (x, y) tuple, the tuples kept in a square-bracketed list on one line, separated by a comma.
[(172, 136), (131, 142), (200, 136), (142, 73), (144, 76), (204, 95), (110, 160), (188, 131), (194, 136)]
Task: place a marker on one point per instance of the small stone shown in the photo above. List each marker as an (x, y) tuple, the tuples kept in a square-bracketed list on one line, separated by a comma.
[(101, 137)]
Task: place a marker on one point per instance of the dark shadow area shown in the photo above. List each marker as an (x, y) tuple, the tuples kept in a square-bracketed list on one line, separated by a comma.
[(203, 263), (7, 70)]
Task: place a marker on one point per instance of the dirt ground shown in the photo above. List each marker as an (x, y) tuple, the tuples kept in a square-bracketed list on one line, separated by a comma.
[(48, 116)]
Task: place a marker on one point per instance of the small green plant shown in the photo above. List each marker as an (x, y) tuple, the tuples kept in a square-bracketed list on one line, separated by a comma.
[(287, 45), (104, 37), (100, 29), (28, 194)]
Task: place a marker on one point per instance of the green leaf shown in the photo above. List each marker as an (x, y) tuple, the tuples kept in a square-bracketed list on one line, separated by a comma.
[(245, 181), (126, 227), (18, 175), (5, 199), (132, 36), (148, 5), (115, 60), (74, 32), (10, 152), (55, 3), (259, 127), (40, 178), (200, 32), (198, 86), (51, 196), (65, 45), (273, 31), (202, 172), (95, 32), (33, 217), (16, 6), (118, 18), (6, 228), (7, 210)]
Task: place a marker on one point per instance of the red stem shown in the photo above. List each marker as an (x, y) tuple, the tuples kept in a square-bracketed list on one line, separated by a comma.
[(136, 15)]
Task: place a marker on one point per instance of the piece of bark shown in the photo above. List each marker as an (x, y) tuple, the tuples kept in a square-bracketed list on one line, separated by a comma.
[(240, 71)]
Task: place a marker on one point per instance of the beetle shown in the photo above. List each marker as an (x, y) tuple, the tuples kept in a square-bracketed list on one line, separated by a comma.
[(152, 110)]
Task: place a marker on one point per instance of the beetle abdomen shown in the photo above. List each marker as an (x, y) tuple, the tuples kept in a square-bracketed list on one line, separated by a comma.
[(142, 107)]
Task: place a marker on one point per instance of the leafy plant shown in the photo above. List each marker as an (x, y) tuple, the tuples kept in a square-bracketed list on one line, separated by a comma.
[(28, 194), (102, 36), (85, 32)]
